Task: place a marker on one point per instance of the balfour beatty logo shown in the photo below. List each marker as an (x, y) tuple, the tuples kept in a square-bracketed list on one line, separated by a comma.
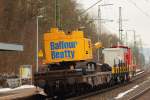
[(65, 49)]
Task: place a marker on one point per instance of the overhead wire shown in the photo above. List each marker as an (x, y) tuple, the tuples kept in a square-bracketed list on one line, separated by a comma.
[(141, 10), (90, 7)]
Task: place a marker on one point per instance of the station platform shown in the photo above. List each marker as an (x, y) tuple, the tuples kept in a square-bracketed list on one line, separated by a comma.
[(20, 94)]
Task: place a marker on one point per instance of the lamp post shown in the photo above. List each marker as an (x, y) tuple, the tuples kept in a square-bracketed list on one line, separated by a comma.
[(37, 23)]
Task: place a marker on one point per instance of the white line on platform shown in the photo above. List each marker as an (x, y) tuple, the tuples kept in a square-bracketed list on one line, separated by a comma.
[(120, 95), (139, 72)]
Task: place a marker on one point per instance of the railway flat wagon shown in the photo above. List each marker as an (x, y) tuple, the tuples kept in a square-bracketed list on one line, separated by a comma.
[(64, 51)]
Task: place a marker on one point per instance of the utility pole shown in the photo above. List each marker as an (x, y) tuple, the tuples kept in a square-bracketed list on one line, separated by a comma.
[(134, 38), (99, 31), (126, 38), (120, 23), (57, 14), (134, 47), (99, 28), (149, 60)]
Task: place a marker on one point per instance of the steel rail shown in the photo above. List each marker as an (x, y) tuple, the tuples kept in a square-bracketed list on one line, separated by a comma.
[(107, 89), (139, 94)]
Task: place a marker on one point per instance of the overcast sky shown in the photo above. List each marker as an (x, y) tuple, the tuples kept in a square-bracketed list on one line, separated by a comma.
[(135, 12)]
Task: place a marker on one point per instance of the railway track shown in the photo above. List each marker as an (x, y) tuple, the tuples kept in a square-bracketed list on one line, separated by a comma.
[(140, 94), (108, 89)]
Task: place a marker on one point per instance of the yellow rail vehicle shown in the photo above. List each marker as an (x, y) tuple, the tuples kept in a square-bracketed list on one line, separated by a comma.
[(65, 75), (61, 47)]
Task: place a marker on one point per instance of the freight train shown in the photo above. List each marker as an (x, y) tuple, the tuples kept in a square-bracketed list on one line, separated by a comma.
[(70, 70)]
